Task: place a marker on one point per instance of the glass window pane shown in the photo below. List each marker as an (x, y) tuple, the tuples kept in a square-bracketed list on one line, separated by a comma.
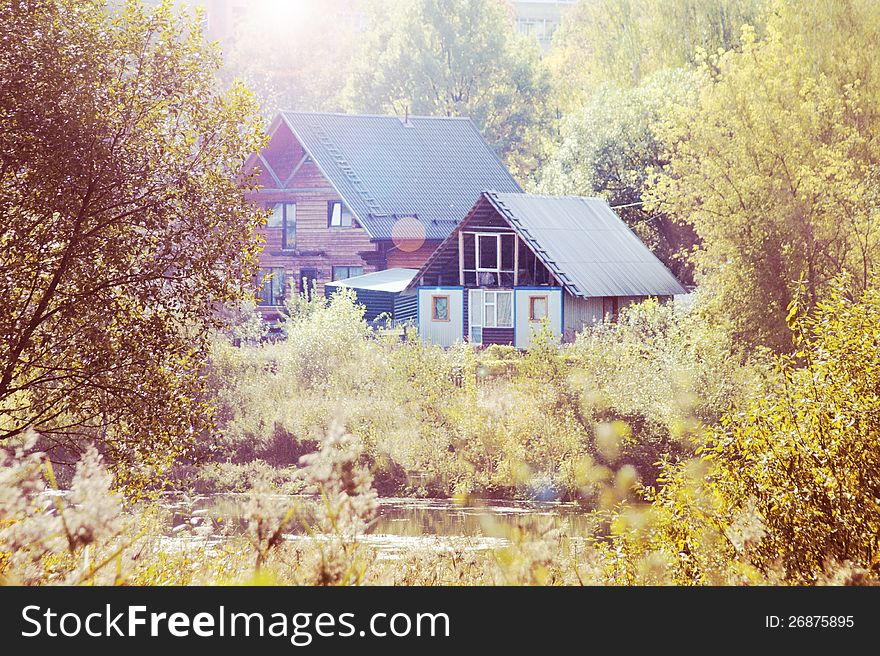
[(507, 247), (289, 238), (505, 309), (489, 310), (271, 281), (475, 301), (276, 217), (343, 272), (488, 252), (335, 214), (277, 285), (537, 308), (441, 308)]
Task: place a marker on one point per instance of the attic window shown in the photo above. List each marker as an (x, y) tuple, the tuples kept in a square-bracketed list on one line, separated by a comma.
[(488, 258), (338, 216)]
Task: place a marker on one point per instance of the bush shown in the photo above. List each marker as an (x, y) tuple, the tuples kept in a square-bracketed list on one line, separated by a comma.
[(550, 422), (786, 486), (804, 453)]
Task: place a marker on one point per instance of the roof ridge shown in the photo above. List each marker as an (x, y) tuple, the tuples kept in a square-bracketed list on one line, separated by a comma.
[(394, 116), (571, 196)]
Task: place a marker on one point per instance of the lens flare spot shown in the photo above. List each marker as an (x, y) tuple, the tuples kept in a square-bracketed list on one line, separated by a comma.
[(408, 234)]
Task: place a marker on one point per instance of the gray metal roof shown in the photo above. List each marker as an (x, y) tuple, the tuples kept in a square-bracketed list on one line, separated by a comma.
[(586, 245), (433, 168), (388, 280)]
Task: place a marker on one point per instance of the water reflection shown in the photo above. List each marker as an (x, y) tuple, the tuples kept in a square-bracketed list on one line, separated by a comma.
[(402, 523)]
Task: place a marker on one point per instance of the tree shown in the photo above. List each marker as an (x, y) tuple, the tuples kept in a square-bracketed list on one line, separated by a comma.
[(124, 225), (622, 42), (608, 147), (297, 57), (456, 58), (776, 165)]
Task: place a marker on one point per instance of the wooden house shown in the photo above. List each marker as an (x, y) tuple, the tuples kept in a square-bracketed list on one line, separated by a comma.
[(518, 259), (353, 194)]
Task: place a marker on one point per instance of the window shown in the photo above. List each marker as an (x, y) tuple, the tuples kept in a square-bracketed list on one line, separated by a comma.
[(284, 216), (308, 280), (490, 309), (276, 218), (609, 308), (488, 258), (537, 308), (343, 272), (338, 215), (440, 308), (271, 286), (487, 252)]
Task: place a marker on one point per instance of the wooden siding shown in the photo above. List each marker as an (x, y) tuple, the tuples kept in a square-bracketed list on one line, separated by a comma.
[(580, 312), (318, 247), (444, 268), (497, 336), (396, 258)]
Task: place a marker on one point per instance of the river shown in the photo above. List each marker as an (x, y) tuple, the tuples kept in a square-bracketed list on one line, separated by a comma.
[(401, 524)]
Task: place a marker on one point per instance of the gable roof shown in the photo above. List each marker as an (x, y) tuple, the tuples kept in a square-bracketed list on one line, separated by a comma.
[(589, 249), (584, 244), (433, 168)]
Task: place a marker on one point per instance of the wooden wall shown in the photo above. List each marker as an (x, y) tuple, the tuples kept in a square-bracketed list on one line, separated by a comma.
[(318, 246), (396, 258), (483, 218)]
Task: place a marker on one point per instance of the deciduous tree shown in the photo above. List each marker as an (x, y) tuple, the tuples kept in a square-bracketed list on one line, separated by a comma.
[(777, 165), (622, 42), (457, 58), (124, 227), (608, 148)]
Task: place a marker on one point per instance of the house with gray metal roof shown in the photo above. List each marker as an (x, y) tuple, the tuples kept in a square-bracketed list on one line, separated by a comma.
[(354, 194), (519, 261)]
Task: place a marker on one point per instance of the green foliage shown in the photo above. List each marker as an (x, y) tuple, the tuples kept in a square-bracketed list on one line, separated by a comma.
[(123, 226), (786, 485), (779, 178), (780, 493), (666, 373), (624, 42), (804, 455), (493, 422), (456, 58), (609, 146)]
